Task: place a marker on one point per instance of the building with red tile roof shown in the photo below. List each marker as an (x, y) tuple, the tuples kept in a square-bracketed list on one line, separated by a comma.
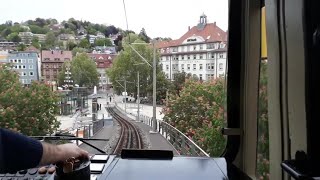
[(103, 62), (201, 51), (51, 63)]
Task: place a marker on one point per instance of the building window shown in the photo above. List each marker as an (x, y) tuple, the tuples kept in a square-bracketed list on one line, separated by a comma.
[(15, 61), (188, 66), (46, 59), (194, 48), (23, 67), (220, 55), (167, 67), (188, 56), (194, 66), (182, 57), (212, 56), (173, 66), (23, 61), (212, 66), (57, 59), (210, 46), (201, 46), (201, 56), (210, 76), (19, 60), (200, 66), (194, 56), (30, 60), (23, 73), (220, 66), (182, 67), (30, 66), (30, 73), (200, 77)]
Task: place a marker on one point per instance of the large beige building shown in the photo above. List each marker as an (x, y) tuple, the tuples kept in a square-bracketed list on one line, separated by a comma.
[(52, 62), (201, 51)]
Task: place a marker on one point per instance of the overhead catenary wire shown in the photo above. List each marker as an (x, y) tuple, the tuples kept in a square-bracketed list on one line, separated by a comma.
[(125, 14)]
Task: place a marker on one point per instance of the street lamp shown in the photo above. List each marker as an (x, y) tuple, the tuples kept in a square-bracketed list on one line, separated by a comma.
[(154, 66)]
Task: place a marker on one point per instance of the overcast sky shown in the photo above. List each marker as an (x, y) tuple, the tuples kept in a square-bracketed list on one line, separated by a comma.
[(164, 18)]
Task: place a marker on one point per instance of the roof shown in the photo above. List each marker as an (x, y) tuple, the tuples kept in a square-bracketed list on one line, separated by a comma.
[(210, 33), (32, 49), (97, 56), (56, 54), (103, 60)]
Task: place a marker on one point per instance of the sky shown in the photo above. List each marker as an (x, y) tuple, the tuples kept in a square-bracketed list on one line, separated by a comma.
[(160, 18)]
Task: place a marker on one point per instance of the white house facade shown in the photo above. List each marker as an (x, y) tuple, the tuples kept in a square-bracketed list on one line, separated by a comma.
[(202, 52)]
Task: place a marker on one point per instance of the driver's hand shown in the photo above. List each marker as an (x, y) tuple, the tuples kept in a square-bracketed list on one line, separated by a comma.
[(71, 150)]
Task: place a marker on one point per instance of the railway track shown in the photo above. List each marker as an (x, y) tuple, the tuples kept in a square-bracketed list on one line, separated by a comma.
[(130, 137)]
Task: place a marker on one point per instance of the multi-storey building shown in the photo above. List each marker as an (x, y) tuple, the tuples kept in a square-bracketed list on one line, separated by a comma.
[(201, 52), (103, 62), (52, 62), (26, 37), (26, 63)]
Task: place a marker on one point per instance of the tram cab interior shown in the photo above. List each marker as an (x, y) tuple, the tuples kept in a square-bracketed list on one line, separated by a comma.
[(286, 34), (291, 49)]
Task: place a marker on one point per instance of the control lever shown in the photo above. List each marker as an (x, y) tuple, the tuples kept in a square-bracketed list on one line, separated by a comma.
[(73, 168)]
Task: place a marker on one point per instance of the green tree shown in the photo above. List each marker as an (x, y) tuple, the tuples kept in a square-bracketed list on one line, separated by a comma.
[(131, 38), (50, 39), (17, 28), (103, 42), (178, 82), (35, 42), (263, 128), (21, 47), (28, 110), (38, 30), (77, 50), (124, 68), (14, 37), (84, 43), (143, 36), (6, 32), (84, 71), (199, 113), (71, 45)]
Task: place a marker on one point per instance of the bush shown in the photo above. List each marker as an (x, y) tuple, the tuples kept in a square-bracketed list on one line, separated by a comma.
[(199, 113), (28, 110)]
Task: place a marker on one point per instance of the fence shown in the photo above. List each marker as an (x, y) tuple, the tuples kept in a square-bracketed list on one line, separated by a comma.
[(87, 131), (184, 145)]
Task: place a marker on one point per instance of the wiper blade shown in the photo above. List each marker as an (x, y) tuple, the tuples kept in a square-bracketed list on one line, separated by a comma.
[(71, 137), (66, 138)]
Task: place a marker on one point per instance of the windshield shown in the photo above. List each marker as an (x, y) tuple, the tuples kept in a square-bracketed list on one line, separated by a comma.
[(117, 70)]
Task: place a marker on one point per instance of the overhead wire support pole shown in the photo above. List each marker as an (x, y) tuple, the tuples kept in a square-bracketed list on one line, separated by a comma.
[(125, 95), (138, 98), (154, 118)]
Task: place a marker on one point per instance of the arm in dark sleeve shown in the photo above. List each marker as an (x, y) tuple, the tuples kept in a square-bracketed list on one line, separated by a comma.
[(18, 152)]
